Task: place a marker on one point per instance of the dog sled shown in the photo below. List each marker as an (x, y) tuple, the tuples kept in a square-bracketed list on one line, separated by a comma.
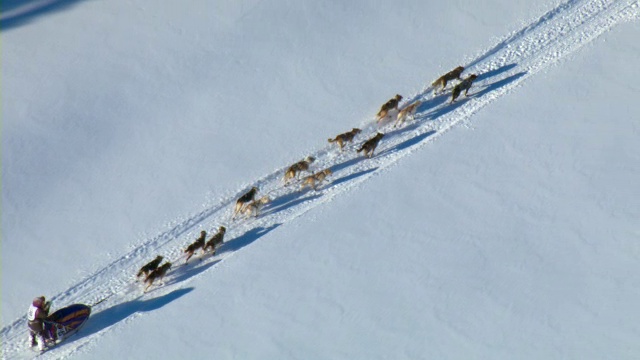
[(64, 323)]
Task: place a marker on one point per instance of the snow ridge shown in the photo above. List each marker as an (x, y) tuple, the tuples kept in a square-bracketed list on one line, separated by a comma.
[(501, 69)]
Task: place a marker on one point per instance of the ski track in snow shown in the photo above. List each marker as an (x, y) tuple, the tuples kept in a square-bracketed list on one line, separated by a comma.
[(546, 41)]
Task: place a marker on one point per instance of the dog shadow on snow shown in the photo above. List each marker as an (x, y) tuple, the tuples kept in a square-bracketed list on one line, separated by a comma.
[(498, 84), (350, 177), (299, 196), (183, 271), (495, 72), (347, 164), (472, 94), (247, 238), (441, 98), (288, 201), (407, 143), (119, 312), (198, 265), (431, 103)]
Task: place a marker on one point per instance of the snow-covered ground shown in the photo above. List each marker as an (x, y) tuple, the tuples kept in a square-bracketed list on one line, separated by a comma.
[(502, 226)]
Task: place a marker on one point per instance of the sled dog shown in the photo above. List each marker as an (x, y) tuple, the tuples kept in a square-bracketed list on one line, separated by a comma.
[(408, 111), (215, 241), (243, 200), (464, 85), (295, 169), (370, 145), (254, 207), (442, 80), (156, 274), (314, 180), (391, 104), (150, 266), (345, 137), (199, 243)]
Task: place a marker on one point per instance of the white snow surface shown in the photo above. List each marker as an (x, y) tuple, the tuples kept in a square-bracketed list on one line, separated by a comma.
[(502, 226)]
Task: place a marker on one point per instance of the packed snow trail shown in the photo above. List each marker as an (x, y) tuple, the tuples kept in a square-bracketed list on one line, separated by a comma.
[(118, 298)]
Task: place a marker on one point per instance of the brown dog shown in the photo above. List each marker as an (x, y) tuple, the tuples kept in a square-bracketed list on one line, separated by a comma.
[(370, 145), (408, 111), (295, 169), (464, 85), (216, 240), (156, 274), (253, 208), (345, 137), (314, 180), (199, 243), (149, 267), (451, 75), (391, 104), (243, 200)]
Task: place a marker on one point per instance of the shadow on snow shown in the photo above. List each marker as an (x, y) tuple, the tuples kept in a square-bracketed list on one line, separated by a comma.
[(491, 87), (15, 13), (498, 84), (191, 269), (496, 72), (247, 238), (117, 313), (350, 177), (407, 143), (288, 201)]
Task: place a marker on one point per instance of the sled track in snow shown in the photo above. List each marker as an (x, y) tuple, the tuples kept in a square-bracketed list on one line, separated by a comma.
[(546, 41)]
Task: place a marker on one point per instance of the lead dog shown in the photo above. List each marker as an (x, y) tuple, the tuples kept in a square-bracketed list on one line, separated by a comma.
[(391, 104), (370, 145), (314, 180), (464, 85), (408, 111), (345, 137), (451, 75), (295, 169)]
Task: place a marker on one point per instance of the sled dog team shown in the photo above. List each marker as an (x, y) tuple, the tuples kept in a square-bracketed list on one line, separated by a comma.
[(249, 206)]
